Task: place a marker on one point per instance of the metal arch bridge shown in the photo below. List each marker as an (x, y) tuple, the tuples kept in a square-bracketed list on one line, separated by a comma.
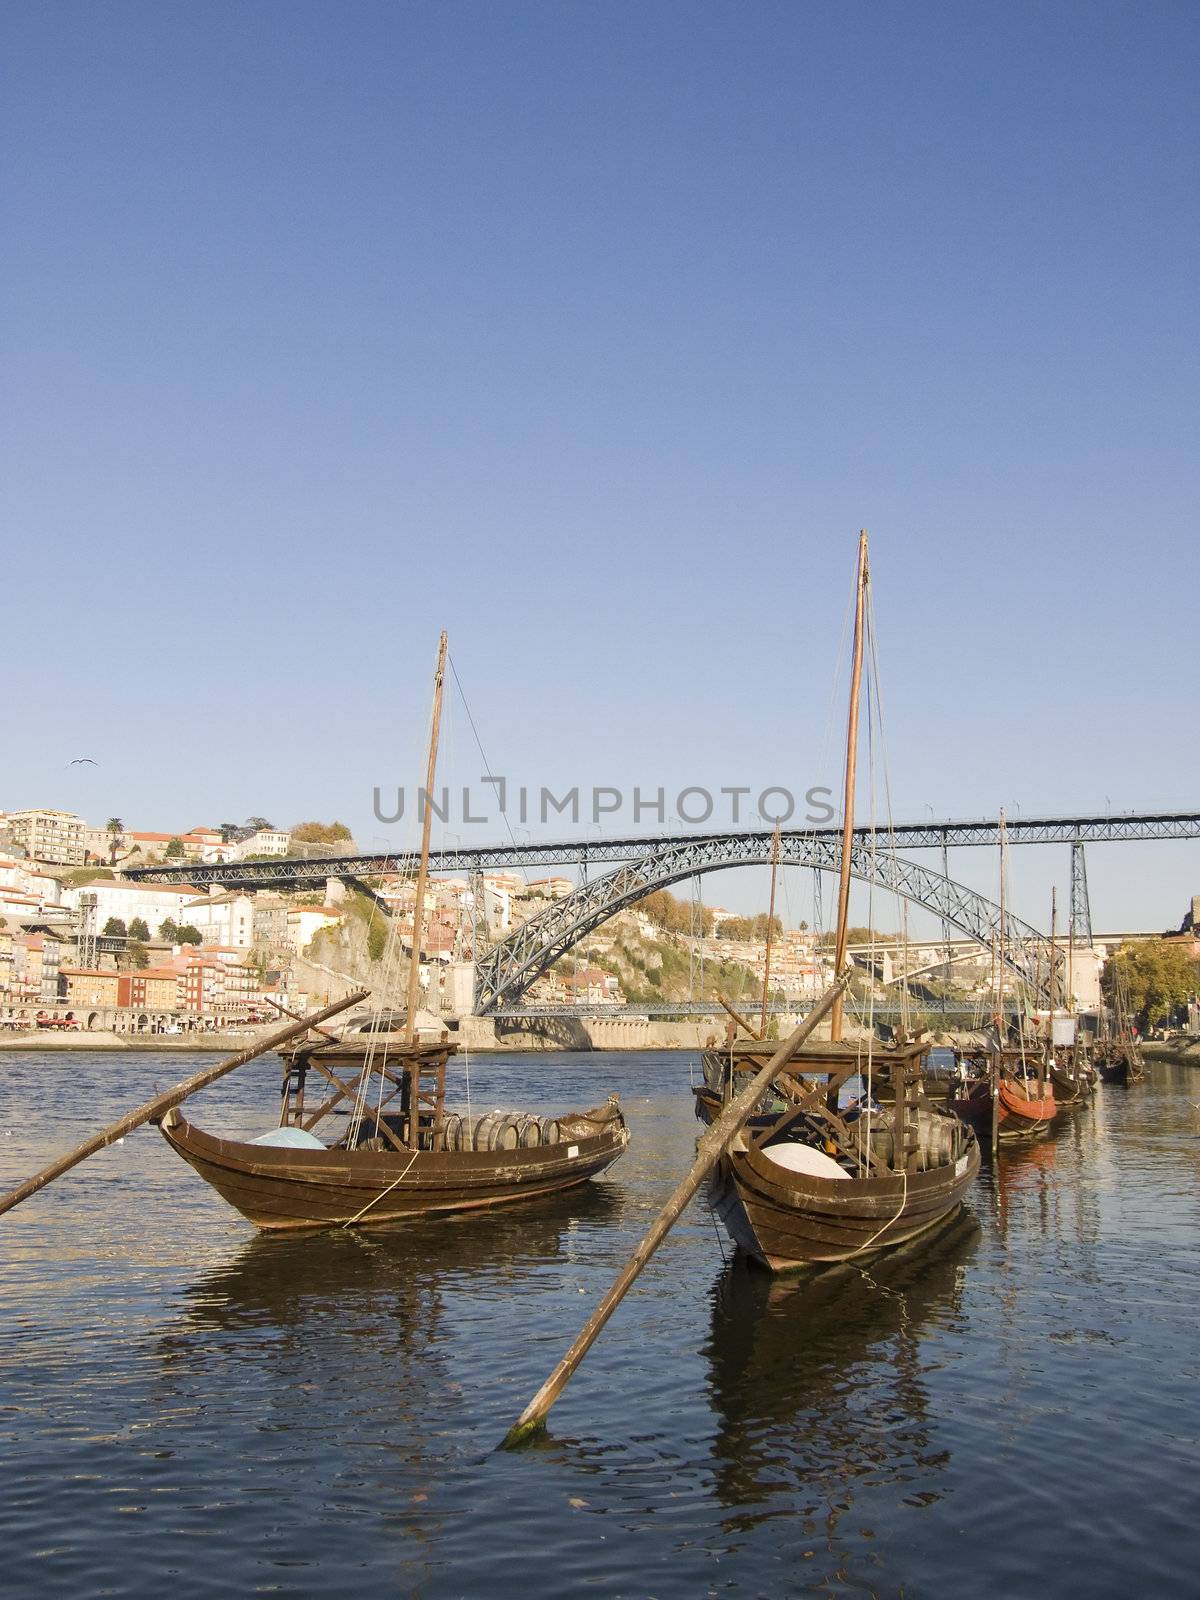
[(653, 861), (294, 872), (504, 972)]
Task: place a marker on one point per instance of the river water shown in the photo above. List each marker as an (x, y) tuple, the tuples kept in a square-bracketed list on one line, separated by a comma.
[(187, 1409)]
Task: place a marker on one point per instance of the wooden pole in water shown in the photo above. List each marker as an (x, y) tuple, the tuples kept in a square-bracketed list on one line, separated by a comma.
[(709, 1151), (839, 954), (414, 971), (163, 1102)]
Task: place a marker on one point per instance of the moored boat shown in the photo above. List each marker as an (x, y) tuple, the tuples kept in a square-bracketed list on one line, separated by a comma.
[(291, 1183), (402, 1153), (813, 1184), (1025, 1103)]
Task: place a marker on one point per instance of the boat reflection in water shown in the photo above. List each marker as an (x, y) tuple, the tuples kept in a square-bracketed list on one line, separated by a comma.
[(818, 1384), (289, 1282)]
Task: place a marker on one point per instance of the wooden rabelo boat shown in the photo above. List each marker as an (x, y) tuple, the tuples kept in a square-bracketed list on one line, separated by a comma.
[(1117, 1062), (1073, 1077), (389, 1167), (402, 1153), (812, 1184), (816, 1185), (1017, 1081)]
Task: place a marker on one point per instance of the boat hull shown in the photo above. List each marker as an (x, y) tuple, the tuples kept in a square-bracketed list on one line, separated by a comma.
[(1023, 1115), (787, 1220), (1018, 1116), (280, 1188)]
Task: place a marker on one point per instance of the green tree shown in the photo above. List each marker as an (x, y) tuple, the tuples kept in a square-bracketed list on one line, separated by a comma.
[(259, 824), (228, 831), (138, 928), (114, 928), (168, 929), (174, 849), (1149, 978), (320, 832), (187, 934), (853, 936), (114, 827), (675, 916), (137, 955)]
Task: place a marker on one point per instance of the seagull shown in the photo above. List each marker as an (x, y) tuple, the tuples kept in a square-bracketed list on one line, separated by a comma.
[(83, 761)]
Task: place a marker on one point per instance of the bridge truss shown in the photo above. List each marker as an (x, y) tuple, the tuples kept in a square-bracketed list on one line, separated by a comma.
[(647, 862), (505, 972)]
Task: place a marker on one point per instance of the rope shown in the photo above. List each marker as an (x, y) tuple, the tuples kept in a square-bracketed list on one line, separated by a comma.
[(384, 1194), (889, 1223)]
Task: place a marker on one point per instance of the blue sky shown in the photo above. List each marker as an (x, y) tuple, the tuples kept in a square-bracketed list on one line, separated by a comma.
[(594, 333)]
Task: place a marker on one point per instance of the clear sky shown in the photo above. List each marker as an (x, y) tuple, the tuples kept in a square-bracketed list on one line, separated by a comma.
[(593, 333)]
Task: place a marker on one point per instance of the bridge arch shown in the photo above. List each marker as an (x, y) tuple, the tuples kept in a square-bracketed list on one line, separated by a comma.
[(505, 971)]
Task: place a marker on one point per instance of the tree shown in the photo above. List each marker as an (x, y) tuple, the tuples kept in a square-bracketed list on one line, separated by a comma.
[(174, 849), (675, 916), (168, 929), (259, 825), (187, 934), (228, 831), (750, 928), (137, 955), (114, 827), (1149, 978), (320, 832), (139, 929), (853, 936), (114, 928)]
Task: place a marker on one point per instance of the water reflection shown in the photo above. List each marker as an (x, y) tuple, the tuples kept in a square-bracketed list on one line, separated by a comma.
[(290, 1282), (819, 1384)]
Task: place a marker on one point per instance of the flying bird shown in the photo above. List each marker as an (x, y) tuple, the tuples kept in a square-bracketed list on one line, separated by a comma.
[(83, 761)]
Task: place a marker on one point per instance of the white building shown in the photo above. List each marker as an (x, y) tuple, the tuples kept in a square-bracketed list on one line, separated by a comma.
[(48, 835), (266, 842), (153, 902), (305, 922), (224, 919)]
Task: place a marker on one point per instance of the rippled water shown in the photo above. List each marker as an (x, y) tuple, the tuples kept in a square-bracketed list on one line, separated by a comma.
[(187, 1409)]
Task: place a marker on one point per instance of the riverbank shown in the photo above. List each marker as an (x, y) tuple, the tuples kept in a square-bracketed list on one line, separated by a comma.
[(1174, 1052), (106, 1040)]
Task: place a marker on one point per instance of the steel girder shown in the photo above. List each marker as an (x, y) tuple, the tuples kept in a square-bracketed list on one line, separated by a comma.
[(1081, 910), (600, 852), (505, 972)]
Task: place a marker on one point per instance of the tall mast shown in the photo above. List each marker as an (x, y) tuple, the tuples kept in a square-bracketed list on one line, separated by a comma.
[(999, 970), (762, 1021), (839, 957), (1069, 997), (1053, 955), (414, 971)]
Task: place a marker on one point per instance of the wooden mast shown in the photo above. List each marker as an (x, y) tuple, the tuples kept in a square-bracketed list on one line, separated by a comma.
[(998, 979), (1048, 1053), (762, 1021), (839, 957), (414, 971)]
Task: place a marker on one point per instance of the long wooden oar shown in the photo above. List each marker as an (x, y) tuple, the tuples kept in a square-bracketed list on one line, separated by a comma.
[(172, 1097), (708, 1152)]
